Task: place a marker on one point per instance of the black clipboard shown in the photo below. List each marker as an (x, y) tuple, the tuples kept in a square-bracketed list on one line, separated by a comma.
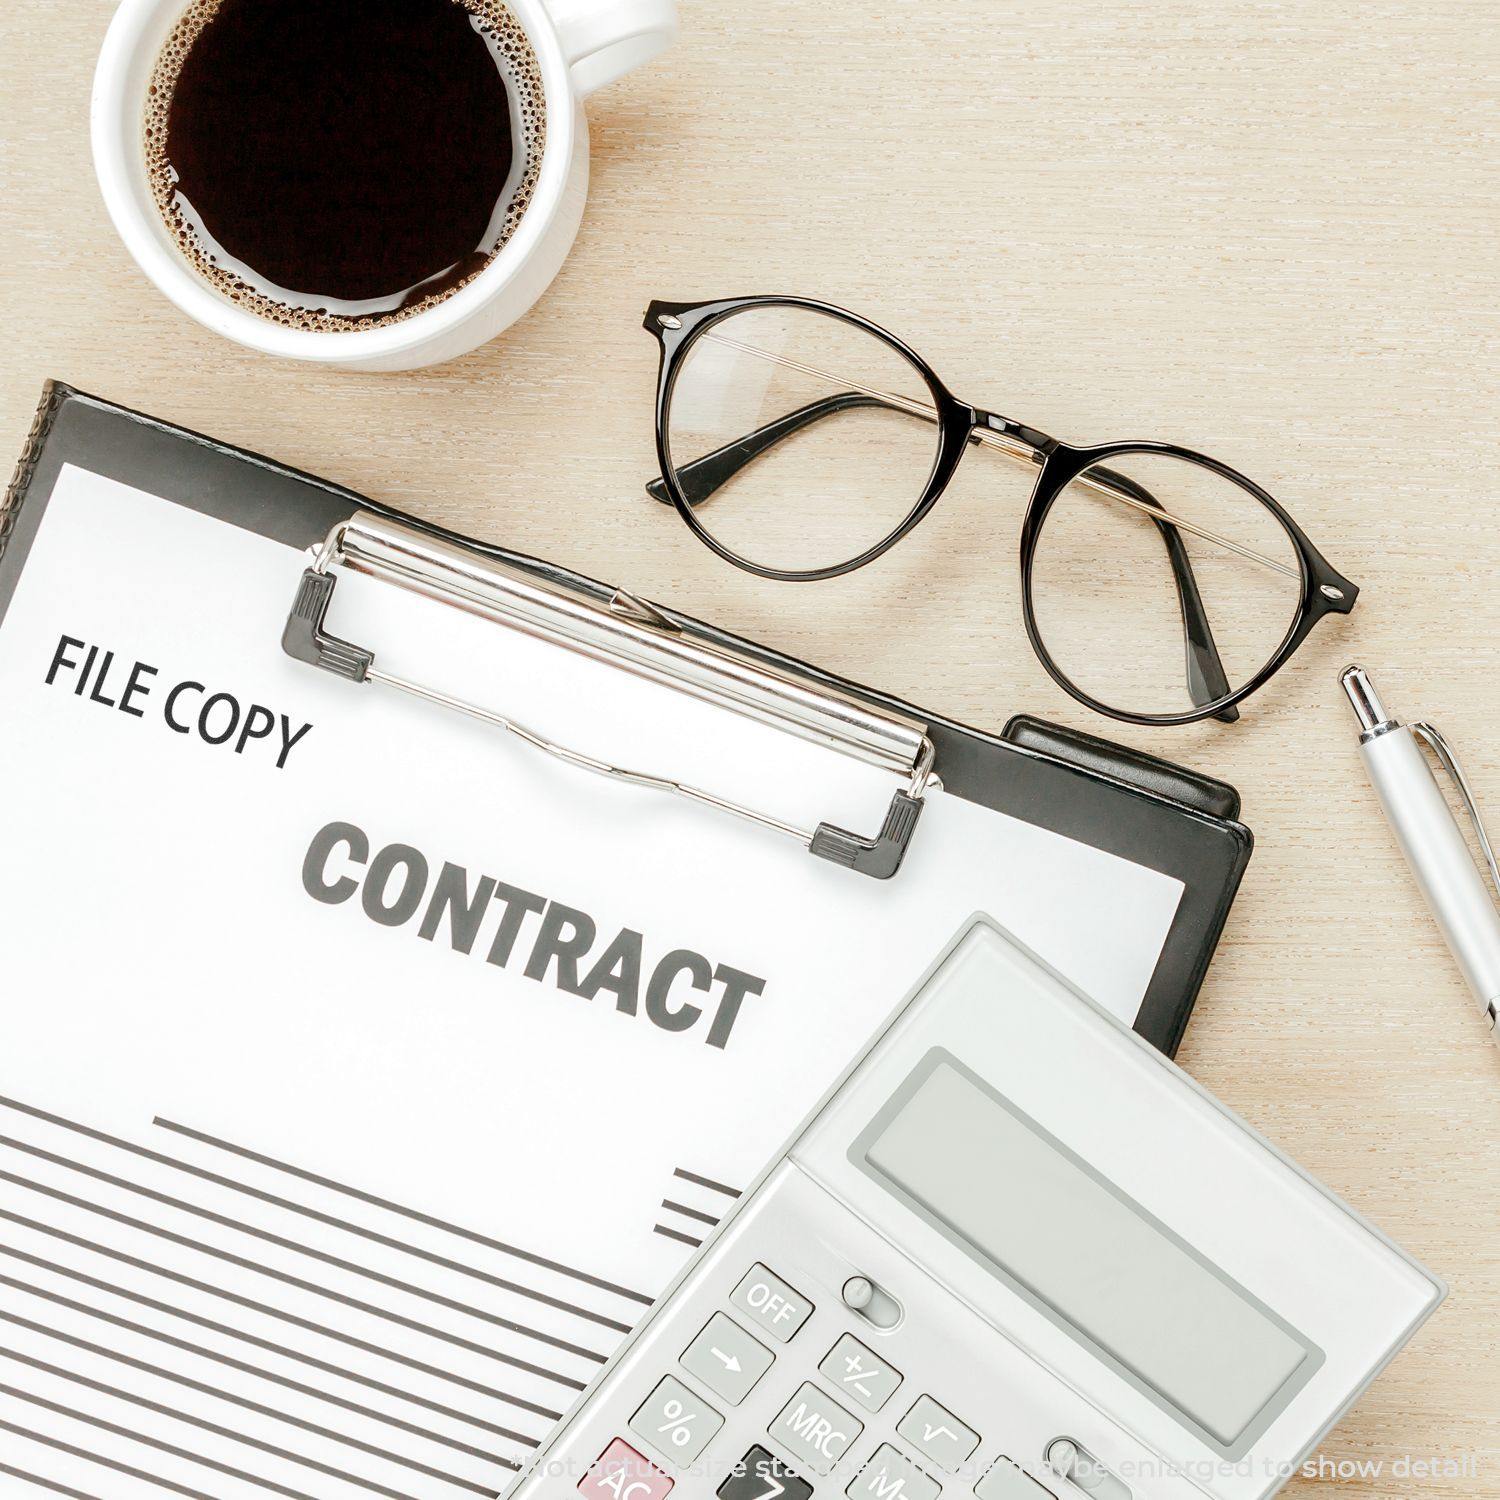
[(1126, 803)]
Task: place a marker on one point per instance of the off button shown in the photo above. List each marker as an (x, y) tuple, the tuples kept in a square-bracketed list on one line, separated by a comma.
[(766, 1298)]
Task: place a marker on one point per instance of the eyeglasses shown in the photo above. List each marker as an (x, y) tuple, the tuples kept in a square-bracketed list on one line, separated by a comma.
[(800, 441)]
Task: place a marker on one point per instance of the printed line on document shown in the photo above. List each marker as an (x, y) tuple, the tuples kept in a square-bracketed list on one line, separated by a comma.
[(707, 1182), (45, 1484), (280, 1314), (691, 1213), (160, 1446), (59, 1446), (287, 1279), (415, 1215), (213, 1429), (173, 1377), (676, 1234), (324, 1257), (331, 1220), (186, 1346)]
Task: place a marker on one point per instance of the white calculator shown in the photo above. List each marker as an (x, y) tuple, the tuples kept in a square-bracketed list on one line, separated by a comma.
[(1016, 1253)]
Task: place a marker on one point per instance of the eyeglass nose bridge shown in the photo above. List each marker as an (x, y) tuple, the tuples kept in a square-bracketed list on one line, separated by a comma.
[(992, 429)]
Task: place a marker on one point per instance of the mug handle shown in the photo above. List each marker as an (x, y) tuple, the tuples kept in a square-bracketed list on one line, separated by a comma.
[(604, 39)]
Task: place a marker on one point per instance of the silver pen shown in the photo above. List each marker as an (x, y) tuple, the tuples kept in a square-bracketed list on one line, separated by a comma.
[(1430, 838)]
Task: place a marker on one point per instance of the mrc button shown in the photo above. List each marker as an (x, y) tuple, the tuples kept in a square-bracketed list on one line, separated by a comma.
[(764, 1296), (815, 1429)]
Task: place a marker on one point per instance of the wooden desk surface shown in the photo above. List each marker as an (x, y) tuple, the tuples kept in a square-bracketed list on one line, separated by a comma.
[(1263, 229)]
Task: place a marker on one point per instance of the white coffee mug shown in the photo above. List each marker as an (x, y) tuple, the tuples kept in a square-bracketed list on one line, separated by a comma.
[(580, 46)]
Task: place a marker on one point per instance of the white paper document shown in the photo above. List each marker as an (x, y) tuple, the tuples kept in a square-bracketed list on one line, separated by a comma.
[(363, 1072)]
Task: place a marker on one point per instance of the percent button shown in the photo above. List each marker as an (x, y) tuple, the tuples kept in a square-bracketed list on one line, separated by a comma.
[(675, 1422)]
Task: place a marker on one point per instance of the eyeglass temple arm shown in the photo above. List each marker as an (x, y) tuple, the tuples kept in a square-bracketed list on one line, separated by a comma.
[(1205, 668), (703, 476)]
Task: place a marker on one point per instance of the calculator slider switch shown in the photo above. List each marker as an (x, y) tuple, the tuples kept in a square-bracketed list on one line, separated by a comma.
[(1079, 1467), (874, 1304), (858, 1291)]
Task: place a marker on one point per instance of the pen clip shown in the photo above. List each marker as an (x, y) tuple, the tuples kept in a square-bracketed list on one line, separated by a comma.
[(1450, 763)]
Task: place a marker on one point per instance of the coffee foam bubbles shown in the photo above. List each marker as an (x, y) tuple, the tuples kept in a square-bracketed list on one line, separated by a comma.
[(512, 51)]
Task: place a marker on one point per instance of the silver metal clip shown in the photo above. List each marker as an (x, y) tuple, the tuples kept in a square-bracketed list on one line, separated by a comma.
[(1448, 759), (626, 632), (643, 610)]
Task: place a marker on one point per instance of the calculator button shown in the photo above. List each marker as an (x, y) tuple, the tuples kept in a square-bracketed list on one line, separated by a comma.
[(892, 1476), (771, 1302), (1006, 1482), (936, 1432), (759, 1476), (858, 1373), (620, 1473), (675, 1422), (816, 1428), (726, 1359)]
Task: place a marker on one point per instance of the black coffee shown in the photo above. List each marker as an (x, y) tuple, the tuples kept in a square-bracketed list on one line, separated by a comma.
[(336, 163)]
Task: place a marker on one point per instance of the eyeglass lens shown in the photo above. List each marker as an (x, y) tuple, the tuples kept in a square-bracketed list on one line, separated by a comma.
[(847, 426), (1153, 618)]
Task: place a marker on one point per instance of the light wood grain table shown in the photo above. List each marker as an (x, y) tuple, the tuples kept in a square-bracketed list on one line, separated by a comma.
[(1265, 228)]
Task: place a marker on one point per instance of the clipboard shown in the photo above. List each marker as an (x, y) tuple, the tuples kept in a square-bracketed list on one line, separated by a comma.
[(1136, 807)]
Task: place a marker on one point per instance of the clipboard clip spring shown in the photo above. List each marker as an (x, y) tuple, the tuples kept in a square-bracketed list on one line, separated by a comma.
[(425, 564)]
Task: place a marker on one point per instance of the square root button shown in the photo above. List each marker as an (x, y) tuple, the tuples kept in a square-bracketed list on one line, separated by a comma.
[(937, 1434), (816, 1429), (620, 1473)]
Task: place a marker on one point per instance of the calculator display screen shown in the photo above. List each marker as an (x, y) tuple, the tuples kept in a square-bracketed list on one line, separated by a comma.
[(1079, 1249)]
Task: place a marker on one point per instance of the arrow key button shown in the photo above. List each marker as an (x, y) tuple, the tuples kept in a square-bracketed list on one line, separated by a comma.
[(726, 1359)]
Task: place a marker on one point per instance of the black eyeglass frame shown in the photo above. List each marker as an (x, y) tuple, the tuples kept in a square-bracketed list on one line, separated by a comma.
[(678, 325)]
